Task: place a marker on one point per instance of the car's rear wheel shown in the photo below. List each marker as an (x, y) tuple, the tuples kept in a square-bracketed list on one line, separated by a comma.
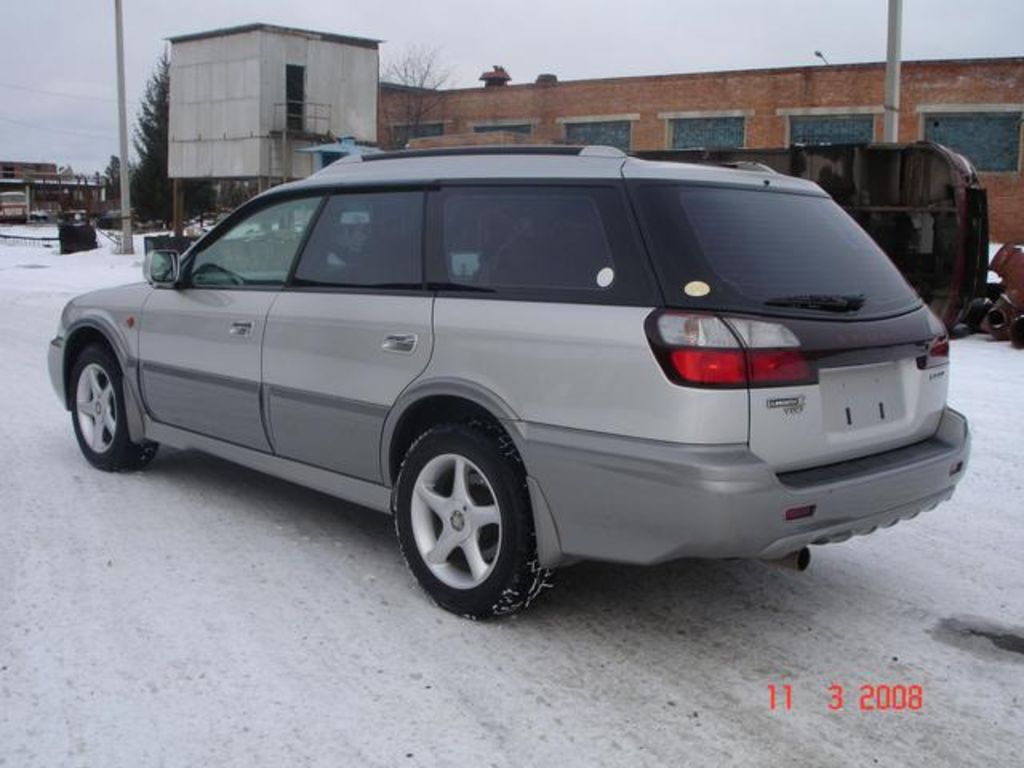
[(462, 515), (97, 413)]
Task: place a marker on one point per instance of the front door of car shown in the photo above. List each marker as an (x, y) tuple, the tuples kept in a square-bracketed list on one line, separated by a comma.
[(199, 343), (351, 331)]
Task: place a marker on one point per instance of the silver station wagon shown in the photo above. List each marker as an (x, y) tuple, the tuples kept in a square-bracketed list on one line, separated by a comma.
[(532, 356)]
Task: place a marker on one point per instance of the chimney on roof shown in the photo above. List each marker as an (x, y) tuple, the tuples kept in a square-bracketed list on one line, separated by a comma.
[(547, 79), (495, 77)]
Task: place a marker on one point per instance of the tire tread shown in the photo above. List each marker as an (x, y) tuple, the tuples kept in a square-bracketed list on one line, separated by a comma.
[(124, 455), (529, 579)]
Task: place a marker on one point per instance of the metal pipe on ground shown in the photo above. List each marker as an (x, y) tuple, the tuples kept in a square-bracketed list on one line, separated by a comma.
[(1017, 332), (795, 561), (976, 313), (1008, 263), (999, 319)]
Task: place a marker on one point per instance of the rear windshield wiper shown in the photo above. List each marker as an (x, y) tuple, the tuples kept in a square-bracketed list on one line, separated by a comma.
[(826, 302)]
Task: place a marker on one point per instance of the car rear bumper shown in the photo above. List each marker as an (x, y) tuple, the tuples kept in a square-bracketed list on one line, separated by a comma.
[(636, 501)]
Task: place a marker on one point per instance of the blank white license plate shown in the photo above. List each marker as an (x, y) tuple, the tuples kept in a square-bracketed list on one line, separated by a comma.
[(854, 398)]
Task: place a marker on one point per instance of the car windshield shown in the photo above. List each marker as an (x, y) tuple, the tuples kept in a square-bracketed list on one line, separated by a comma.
[(768, 251)]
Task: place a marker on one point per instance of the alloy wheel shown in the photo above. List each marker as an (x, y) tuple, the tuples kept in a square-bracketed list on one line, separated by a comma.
[(96, 408), (456, 522)]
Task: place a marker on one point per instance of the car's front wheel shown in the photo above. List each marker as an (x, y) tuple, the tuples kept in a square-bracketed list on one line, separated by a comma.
[(97, 413), (462, 515)]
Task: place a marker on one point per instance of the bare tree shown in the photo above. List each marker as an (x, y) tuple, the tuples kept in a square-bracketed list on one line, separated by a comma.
[(412, 94)]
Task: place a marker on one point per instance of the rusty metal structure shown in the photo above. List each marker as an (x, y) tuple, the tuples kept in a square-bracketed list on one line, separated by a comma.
[(921, 202), (1017, 332), (1008, 263), (1003, 320)]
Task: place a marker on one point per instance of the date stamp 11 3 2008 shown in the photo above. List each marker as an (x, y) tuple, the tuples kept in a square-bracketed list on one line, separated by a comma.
[(866, 697)]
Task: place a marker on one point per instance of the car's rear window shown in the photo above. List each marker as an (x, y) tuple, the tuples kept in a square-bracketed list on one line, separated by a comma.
[(765, 251)]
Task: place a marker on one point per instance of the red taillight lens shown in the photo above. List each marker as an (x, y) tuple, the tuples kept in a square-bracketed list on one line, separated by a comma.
[(708, 351), (938, 354), (778, 366), (710, 367)]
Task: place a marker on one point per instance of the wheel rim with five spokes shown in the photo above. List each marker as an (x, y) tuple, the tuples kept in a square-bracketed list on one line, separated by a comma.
[(96, 408), (456, 521)]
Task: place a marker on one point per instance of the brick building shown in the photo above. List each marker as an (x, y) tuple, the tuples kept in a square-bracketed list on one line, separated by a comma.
[(18, 169), (974, 106), (45, 188)]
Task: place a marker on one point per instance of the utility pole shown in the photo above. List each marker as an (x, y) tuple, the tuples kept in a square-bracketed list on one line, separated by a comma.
[(126, 195), (892, 72)]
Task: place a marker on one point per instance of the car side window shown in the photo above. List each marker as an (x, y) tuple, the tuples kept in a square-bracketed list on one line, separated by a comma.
[(365, 240), (258, 250), (531, 239)]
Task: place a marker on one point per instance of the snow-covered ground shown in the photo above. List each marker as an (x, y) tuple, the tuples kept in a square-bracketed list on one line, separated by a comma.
[(198, 613)]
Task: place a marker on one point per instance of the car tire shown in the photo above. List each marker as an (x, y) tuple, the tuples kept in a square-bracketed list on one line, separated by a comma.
[(470, 544), (96, 396)]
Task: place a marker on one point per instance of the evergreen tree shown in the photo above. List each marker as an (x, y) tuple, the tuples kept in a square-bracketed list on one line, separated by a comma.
[(112, 178), (152, 197)]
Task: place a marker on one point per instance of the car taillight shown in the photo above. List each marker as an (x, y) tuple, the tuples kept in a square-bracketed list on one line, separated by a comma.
[(710, 367), (778, 366), (937, 354), (709, 351)]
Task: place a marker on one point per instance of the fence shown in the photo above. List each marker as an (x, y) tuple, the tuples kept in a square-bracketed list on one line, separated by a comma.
[(38, 242), (71, 238)]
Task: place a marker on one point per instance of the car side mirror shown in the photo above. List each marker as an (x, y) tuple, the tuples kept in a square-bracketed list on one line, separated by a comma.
[(161, 268)]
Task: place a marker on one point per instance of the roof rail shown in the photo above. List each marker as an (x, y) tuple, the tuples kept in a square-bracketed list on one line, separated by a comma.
[(514, 149), (743, 165)]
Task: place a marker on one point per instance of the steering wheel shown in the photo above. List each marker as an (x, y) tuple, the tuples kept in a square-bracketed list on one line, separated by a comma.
[(219, 275)]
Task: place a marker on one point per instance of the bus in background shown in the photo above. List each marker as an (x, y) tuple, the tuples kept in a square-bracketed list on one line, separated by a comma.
[(14, 207)]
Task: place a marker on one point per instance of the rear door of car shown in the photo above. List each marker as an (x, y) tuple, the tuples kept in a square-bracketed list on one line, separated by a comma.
[(200, 343), (543, 293), (349, 332)]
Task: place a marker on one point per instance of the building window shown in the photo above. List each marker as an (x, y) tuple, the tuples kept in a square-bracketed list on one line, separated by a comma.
[(295, 95), (707, 132), (401, 134), (8, 172), (612, 133), (990, 140), (834, 129), (524, 128)]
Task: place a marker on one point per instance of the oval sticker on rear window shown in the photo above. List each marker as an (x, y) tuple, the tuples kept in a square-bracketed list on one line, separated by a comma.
[(696, 288), (605, 276)]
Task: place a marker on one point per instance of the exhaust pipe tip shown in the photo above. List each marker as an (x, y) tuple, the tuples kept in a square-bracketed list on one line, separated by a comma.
[(794, 561)]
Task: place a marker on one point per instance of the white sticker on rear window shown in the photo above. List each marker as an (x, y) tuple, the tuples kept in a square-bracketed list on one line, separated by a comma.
[(605, 277), (696, 288)]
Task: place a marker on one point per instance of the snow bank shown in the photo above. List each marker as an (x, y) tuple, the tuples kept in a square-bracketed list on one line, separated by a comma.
[(38, 269)]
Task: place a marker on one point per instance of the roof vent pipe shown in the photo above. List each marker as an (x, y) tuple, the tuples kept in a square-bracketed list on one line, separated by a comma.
[(496, 77)]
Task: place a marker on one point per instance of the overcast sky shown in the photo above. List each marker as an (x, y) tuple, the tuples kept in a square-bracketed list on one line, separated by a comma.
[(57, 73)]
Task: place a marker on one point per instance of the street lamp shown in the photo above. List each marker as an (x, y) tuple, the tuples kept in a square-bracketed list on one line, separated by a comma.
[(821, 56)]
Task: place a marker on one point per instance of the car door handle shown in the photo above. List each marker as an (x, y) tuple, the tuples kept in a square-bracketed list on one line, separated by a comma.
[(399, 342), (241, 329)]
